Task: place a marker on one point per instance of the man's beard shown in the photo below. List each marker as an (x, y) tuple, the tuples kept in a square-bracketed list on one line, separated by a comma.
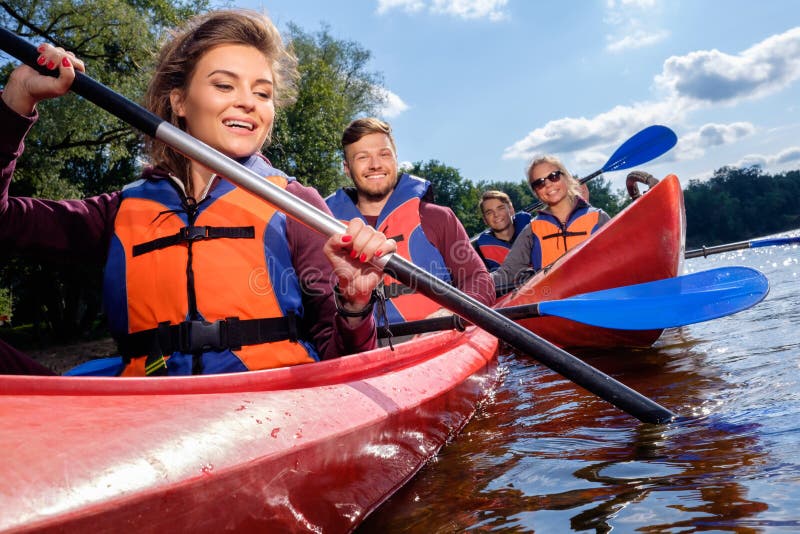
[(377, 196)]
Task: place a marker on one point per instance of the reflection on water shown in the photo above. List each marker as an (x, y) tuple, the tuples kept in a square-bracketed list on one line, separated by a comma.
[(546, 456)]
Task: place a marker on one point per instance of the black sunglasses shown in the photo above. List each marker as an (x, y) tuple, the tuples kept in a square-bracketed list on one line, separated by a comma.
[(554, 177)]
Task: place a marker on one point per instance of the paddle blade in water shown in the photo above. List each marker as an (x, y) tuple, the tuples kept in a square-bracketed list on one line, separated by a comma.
[(666, 303)]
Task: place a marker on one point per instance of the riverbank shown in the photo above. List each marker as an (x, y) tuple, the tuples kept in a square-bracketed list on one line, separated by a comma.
[(61, 358)]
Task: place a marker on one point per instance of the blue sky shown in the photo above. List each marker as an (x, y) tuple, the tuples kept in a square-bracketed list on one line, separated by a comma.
[(484, 85)]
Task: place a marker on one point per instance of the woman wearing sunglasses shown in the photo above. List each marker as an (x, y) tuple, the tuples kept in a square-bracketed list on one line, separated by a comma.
[(566, 220)]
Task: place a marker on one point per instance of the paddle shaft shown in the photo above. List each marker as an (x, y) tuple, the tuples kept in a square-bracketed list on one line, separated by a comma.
[(521, 339), (526, 342), (756, 243), (454, 322)]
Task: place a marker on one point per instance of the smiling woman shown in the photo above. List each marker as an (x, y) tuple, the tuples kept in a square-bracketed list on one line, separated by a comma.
[(566, 221), (182, 246), (228, 103)]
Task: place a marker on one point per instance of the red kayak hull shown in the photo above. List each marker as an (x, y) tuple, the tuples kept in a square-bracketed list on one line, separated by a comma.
[(308, 448), (643, 243)]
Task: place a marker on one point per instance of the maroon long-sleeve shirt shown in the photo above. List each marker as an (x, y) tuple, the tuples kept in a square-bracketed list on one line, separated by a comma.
[(445, 232), (70, 229)]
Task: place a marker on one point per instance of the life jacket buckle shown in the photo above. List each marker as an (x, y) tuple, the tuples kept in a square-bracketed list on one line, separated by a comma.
[(202, 336), (194, 233)]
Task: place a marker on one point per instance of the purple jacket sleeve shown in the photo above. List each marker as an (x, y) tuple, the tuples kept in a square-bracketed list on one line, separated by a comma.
[(448, 235), (331, 333), (63, 230)]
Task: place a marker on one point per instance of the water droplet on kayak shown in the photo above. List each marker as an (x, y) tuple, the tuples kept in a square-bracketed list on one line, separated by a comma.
[(274, 432), (207, 469)]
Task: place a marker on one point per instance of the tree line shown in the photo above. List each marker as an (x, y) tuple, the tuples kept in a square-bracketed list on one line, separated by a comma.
[(96, 153)]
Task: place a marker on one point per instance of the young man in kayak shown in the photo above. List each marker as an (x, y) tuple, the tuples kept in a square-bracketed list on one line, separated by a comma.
[(566, 221), (401, 207), (201, 276), (503, 225)]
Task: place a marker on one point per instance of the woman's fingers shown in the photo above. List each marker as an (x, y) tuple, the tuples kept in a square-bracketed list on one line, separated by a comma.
[(367, 242)]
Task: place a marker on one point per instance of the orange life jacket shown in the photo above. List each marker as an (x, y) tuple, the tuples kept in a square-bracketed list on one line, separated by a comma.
[(552, 239), (208, 281), (399, 219)]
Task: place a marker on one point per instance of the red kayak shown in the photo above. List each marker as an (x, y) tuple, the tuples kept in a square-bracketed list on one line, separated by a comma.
[(314, 447), (643, 243)]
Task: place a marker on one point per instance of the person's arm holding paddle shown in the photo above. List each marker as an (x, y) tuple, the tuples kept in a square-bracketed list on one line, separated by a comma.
[(60, 230), (202, 277)]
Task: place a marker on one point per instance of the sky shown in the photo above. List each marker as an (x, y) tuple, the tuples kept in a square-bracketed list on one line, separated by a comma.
[(486, 85)]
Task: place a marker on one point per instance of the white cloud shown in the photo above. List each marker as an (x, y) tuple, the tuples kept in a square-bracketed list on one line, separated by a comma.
[(789, 156), (632, 25), (471, 9), (639, 38), (405, 166), (409, 6), (465, 9), (393, 104), (713, 76), (694, 82), (641, 4), (568, 135), (693, 145)]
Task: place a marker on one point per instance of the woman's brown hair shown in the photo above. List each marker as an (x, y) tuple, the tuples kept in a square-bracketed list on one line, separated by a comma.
[(183, 49)]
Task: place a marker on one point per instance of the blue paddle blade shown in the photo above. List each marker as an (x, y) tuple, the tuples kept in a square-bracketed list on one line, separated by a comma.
[(667, 303), (111, 366), (645, 146)]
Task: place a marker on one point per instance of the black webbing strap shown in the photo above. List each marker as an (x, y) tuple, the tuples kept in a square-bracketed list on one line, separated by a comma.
[(394, 289), (564, 234), (201, 336), (195, 233)]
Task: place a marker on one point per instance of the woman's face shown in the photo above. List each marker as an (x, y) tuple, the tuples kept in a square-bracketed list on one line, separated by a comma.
[(229, 100), (548, 191)]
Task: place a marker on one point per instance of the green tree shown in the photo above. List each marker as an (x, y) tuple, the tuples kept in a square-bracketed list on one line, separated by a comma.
[(738, 204), (519, 192), (600, 196), (452, 190), (76, 149), (5, 302), (335, 86)]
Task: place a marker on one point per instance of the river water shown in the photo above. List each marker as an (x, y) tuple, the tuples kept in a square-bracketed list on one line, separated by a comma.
[(542, 455)]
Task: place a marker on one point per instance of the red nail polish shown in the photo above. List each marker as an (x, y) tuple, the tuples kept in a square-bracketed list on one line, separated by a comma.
[(41, 60), (51, 65), (347, 238), (363, 258), (40, 48), (378, 254), (65, 62), (353, 253)]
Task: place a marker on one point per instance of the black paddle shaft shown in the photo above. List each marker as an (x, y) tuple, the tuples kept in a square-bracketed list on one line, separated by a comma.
[(526, 342), (521, 339), (454, 322)]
